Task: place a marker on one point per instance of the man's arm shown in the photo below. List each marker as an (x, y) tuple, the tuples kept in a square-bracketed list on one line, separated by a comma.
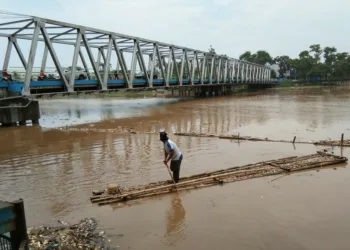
[(165, 155), (169, 156)]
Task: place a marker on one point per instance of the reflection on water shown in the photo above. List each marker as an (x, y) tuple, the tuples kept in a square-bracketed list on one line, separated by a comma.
[(54, 170), (175, 221), (61, 112), (274, 114)]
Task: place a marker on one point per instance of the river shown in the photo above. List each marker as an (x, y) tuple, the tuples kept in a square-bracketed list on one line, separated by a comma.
[(80, 146)]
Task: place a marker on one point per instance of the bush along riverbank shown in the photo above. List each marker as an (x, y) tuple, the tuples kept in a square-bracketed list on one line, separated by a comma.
[(293, 83)]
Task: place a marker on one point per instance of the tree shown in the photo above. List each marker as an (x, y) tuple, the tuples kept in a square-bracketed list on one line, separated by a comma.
[(283, 63), (246, 56), (273, 74), (335, 65), (260, 57), (341, 66), (317, 51), (329, 55), (294, 68), (306, 62)]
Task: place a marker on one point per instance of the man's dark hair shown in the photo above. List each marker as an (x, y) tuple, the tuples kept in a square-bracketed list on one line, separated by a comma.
[(163, 136)]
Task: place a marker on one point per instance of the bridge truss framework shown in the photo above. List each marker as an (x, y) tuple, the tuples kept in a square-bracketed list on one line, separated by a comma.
[(177, 65)]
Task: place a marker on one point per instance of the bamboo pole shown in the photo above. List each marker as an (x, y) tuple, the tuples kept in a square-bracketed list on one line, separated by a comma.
[(233, 170), (171, 176), (160, 189), (266, 168), (154, 184), (197, 177), (201, 180), (248, 138), (178, 184), (317, 165), (213, 182)]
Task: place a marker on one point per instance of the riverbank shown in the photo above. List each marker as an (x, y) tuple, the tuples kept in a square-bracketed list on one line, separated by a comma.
[(292, 84)]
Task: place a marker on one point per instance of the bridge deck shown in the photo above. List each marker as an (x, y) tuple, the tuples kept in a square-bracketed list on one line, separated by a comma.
[(129, 57), (58, 86)]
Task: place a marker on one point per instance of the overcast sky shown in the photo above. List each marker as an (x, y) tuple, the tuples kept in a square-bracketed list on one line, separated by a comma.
[(280, 27)]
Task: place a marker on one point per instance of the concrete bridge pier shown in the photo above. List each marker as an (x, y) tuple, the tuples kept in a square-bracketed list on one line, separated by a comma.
[(201, 90), (210, 91), (18, 110), (3, 92)]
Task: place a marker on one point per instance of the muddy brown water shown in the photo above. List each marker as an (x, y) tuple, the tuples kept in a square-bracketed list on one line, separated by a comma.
[(79, 147)]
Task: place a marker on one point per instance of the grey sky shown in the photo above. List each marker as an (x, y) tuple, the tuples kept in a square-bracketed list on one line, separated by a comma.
[(231, 26)]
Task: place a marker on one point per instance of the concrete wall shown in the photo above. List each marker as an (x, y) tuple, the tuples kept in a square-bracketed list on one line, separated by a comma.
[(3, 92), (13, 110)]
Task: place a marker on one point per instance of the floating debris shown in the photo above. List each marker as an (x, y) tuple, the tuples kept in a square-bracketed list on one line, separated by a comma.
[(68, 237), (196, 134), (119, 130), (117, 194), (237, 137), (344, 143)]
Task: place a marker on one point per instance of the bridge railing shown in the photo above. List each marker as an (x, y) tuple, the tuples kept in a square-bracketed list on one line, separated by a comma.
[(134, 57)]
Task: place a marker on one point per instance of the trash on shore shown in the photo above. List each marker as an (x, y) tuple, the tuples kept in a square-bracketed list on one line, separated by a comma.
[(68, 237)]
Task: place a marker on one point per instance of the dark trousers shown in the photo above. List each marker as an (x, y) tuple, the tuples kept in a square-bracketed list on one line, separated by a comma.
[(175, 167)]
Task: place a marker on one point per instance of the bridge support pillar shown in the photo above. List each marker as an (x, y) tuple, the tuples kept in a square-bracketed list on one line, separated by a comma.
[(217, 90), (202, 90), (3, 92), (210, 91), (18, 110)]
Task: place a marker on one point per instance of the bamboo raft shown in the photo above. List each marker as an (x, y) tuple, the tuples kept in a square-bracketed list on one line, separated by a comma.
[(342, 142), (250, 171)]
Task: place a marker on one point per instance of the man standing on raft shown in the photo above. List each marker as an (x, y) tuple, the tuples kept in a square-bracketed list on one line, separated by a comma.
[(171, 152)]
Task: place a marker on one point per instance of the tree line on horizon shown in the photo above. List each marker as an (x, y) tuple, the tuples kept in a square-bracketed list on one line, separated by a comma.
[(324, 63)]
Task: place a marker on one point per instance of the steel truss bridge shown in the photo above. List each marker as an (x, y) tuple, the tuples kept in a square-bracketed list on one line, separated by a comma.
[(172, 64)]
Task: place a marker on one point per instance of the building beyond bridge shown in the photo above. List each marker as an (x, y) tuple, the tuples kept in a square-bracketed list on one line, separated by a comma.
[(103, 60)]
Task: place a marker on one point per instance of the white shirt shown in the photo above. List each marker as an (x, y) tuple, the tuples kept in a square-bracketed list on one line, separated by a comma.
[(170, 145)]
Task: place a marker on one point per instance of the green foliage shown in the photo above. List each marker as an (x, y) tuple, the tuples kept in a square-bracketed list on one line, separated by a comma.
[(273, 74), (286, 83), (324, 63), (284, 63), (260, 57)]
